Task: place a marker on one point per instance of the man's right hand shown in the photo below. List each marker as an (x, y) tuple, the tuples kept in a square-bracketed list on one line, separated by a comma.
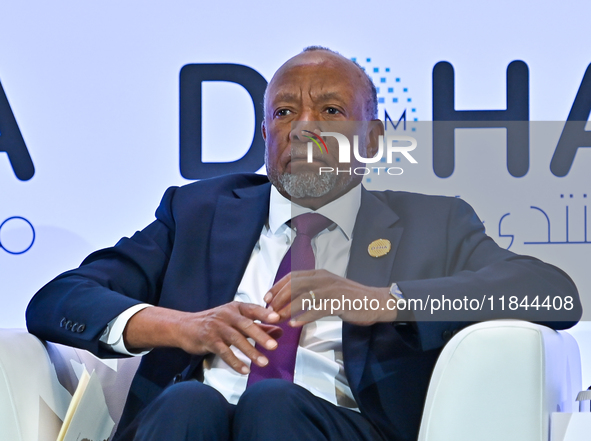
[(206, 332)]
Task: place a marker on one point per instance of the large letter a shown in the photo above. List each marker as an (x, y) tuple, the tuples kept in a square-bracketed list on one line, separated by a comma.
[(12, 142)]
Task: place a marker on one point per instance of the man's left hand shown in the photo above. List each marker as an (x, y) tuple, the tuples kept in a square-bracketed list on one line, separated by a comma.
[(306, 296)]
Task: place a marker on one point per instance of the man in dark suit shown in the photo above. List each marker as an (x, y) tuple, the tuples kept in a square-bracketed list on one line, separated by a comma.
[(193, 287)]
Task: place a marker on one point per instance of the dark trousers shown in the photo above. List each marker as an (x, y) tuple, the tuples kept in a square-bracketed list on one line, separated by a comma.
[(270, 410)]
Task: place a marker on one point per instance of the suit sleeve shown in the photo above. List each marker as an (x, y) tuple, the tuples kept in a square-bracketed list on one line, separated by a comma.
[(478, 269), (74, 308)]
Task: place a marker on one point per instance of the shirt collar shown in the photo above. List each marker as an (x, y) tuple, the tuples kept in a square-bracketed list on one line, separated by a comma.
[(342, 211)]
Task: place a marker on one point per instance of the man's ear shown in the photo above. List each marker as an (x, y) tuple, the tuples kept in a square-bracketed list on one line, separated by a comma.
[(375, 129), (264, 130)]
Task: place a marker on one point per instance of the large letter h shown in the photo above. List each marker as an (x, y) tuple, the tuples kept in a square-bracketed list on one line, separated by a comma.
[(515, 119)]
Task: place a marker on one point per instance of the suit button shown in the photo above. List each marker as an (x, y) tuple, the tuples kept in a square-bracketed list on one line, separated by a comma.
[(62, 322), (446, 335), (68, 325), (177, 379), (80, 328), (74, 327)]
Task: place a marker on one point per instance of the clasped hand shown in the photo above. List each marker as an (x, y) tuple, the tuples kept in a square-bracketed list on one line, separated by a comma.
[(306, 296), (231, 324), (217, 330)]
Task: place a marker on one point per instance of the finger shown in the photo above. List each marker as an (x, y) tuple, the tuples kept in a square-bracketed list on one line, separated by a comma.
[(276, 288), (304, 281), (253, 330), (282, 300), (256, 312), (226, 354), (300, 303), (233, 337), (307, 308), (307, 317), (299, 282)]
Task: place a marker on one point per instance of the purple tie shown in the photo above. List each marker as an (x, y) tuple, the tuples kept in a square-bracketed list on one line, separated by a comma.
[(299, 257)]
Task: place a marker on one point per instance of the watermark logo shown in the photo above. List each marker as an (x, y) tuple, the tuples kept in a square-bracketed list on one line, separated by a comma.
[(344, 146), (314, 138), (347, 143)]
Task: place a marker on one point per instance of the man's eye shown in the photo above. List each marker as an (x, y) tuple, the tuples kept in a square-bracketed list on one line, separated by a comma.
[(333, 111), (282, 112)]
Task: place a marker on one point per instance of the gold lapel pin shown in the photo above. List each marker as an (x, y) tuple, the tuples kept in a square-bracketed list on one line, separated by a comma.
[(379, 248)]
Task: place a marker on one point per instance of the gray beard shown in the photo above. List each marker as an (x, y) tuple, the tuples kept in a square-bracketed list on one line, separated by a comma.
[(307, 185)]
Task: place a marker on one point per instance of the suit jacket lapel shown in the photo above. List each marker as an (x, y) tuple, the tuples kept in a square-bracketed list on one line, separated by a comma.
[(236, 228), (375, 220)]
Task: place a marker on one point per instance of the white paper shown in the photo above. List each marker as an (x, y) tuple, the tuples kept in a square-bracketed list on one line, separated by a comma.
[(90, 420)]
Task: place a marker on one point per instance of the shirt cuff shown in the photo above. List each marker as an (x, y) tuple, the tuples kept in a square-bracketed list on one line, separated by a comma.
[(113, 334)]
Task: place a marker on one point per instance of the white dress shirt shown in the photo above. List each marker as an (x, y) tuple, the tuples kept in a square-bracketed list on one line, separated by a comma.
[(319, 359)]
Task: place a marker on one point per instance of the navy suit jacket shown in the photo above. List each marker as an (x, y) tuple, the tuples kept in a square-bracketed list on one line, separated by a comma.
[(194, 255)]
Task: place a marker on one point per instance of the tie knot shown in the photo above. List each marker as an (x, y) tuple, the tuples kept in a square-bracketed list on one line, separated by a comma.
[(310, 224)]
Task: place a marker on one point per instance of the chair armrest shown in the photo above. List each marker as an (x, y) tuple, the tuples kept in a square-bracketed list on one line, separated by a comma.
[(500, 380)]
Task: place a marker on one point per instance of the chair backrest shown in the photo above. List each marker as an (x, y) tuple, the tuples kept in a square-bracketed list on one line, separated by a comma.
[(38, 379), (501, 380)]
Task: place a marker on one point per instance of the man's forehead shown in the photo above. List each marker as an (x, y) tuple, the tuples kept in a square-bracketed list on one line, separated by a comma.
[(309, 67)]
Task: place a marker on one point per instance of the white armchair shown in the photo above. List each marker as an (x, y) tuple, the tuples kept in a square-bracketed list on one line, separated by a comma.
[(494, 381), (501, 380), (37, 381)]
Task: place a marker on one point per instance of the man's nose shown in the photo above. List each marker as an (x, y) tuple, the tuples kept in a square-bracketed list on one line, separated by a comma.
[(302, 129)]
